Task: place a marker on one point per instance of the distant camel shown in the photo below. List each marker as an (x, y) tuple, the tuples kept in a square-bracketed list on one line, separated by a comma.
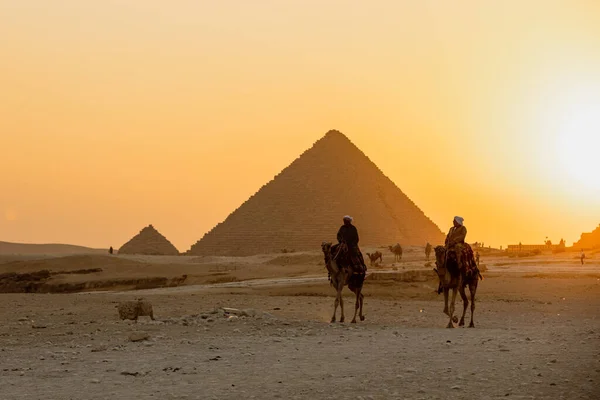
[(375, 256), (452, 273), (340, 276), (428, 248), (397, 250)]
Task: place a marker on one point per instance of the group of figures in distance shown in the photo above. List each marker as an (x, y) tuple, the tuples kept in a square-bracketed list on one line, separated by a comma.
[(397, 251)]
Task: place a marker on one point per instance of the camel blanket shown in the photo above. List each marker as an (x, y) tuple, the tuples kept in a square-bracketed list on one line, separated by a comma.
[(468, 259), (350, 257)]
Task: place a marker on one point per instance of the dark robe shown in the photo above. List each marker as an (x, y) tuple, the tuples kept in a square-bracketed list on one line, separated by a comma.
[(455, 236), (348, 234)]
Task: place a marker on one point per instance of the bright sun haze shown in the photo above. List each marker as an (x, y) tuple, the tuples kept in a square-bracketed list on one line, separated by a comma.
[(115, 115)]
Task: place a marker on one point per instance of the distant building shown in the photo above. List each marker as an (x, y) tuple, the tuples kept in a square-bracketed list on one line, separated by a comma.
[(548, 246), (589, 240)]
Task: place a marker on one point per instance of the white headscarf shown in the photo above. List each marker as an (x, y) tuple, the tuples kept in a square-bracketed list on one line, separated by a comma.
[(349, 218), (459, 220)]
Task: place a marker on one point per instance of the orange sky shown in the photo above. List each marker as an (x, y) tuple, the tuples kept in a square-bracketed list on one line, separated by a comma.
[(115, 115)]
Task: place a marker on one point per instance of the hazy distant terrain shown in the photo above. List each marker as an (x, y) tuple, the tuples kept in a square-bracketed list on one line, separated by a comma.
[(7, 248)]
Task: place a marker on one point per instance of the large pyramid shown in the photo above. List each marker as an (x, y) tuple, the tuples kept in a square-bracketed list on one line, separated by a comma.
[(305, 203), (149, 242)]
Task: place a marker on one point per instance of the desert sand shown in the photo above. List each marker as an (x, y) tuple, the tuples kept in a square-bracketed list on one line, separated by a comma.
[(537, 331)]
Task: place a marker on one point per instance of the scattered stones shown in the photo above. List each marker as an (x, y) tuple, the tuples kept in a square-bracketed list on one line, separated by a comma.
[(138, 336), (37, 325), (99, 348), (127, 373), (95, 380), (456, 387)]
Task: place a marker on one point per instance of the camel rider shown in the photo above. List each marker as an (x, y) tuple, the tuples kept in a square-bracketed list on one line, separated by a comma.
[(348, 234), (457, 234)]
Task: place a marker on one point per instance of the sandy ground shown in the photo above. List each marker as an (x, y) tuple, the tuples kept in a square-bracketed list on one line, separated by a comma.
[(537, 336)]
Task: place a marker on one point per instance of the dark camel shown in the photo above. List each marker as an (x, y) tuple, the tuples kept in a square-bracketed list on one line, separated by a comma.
[(340, 276), (375, 256), (397, 250), (453, 276)]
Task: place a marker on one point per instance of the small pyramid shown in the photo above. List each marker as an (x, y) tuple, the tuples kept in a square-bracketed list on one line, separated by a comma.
[(304, 205), (149, 242)]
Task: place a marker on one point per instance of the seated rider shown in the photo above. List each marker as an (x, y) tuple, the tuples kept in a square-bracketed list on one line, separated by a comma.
[(457, 234), (455, 243), (348, 234)]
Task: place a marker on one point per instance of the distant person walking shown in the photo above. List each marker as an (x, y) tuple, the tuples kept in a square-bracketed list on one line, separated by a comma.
[(477, 258), (582, 257), (110, 251)]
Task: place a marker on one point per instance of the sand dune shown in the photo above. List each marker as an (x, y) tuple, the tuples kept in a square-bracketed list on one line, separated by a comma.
[(7, 248)]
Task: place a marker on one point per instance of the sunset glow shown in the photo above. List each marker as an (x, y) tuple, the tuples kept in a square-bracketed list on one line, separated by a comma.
[(116, 115)]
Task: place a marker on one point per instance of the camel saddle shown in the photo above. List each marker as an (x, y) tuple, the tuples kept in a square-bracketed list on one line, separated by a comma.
[(347, 257), (466, 260)]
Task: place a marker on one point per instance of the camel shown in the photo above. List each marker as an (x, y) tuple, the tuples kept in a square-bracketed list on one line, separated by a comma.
[(451, 271), (428, 248), (340, 276), (397, 250), (375, 256)]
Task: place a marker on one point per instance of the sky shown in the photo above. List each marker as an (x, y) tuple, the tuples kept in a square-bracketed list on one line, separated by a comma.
[(119, 114)]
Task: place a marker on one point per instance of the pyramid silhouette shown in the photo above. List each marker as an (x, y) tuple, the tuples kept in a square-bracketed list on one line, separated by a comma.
[(304, 205), (149, 242)]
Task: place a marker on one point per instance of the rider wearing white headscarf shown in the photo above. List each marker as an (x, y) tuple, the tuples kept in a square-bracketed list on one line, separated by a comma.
[(457, 233)]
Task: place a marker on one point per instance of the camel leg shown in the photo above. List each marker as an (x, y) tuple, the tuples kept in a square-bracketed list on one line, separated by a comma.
[(473, 290), (360, 313), (335, 305), (463, 295), (356, 304), (454, 291), (340, 289), (446, 301)]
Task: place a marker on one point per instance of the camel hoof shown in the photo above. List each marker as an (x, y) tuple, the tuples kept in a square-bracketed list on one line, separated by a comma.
[(362, 317), (450, 325), (471, 325), (461, 323), (446, 312), (342, 320), (333, 320), (353, 321)]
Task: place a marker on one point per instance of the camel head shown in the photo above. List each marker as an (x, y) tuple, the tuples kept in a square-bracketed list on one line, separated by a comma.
[(326, 247)]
